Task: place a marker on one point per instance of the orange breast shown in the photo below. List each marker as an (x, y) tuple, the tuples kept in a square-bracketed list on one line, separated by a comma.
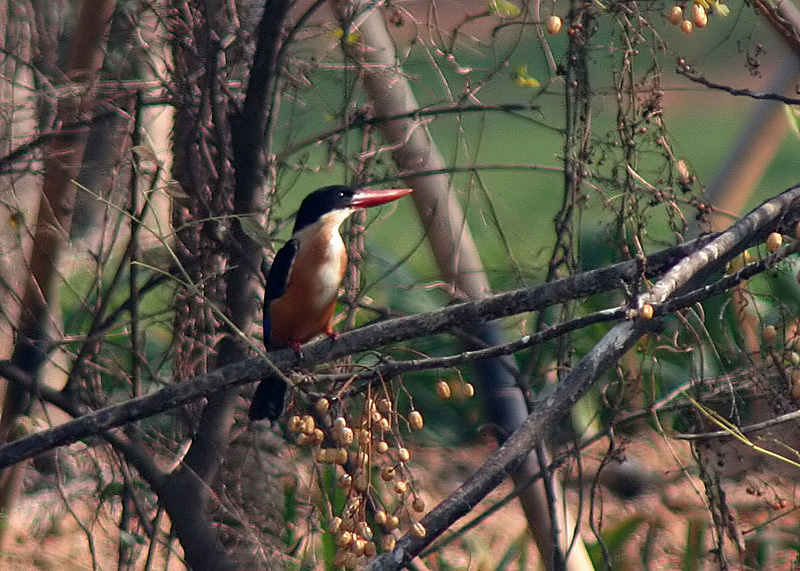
[(306, 308)]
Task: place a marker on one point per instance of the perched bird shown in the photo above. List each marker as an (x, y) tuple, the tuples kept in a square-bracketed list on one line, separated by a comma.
[(304, 280)]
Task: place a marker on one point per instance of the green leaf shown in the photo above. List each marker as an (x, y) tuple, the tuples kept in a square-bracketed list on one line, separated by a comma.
[(504, 8), (521, 77), (793, 117), (721, 8)]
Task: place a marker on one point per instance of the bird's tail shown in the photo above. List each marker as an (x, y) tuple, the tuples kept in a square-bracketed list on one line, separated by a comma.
[(268, 401)]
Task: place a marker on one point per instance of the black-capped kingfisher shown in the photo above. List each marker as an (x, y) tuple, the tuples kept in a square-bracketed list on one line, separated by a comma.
[(305, 277)]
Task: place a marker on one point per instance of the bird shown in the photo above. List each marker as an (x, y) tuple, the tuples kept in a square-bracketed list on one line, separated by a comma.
[(304, 280)]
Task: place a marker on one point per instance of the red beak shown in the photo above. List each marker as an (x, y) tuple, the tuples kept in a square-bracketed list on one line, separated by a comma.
[(365, 198)]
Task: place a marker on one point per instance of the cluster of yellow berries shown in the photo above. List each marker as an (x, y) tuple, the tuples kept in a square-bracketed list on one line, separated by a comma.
[(697, 15), (367, 451), (363, 447)]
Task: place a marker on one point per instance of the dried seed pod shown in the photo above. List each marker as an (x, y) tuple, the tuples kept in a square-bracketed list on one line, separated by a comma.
[(388, 473), (308, 425), (336, 524), (364, 436), (415, 420), (364, 530), (418, 504), (348, 524), (350, 560), (344, 436), (418, 530), (344, 538), (358, 547), (388, 542), (361, 483), (384, 405), (295, 424), (369, 549)]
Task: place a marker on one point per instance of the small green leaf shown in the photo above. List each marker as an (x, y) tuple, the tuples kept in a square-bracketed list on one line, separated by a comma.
[(523, 78), (504, 8)]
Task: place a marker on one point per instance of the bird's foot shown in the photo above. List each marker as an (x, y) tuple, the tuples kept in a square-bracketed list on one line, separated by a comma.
[(333, 335), (295, 345)]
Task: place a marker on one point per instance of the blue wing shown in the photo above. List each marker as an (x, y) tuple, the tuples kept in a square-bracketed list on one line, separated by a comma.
[(277, 280)]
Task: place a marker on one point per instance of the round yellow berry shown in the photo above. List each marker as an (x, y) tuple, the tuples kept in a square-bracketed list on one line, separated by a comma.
[(553, 25), (676, 15), (774, 241), (415, 420), (403, 454), (388, 542), (699, 16), (468, 390), (393, 522)]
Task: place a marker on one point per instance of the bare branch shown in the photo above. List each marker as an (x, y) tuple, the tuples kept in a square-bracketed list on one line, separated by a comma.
[(692, 75)]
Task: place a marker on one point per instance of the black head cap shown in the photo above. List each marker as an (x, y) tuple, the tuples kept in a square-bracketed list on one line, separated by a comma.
[(322, 201)]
